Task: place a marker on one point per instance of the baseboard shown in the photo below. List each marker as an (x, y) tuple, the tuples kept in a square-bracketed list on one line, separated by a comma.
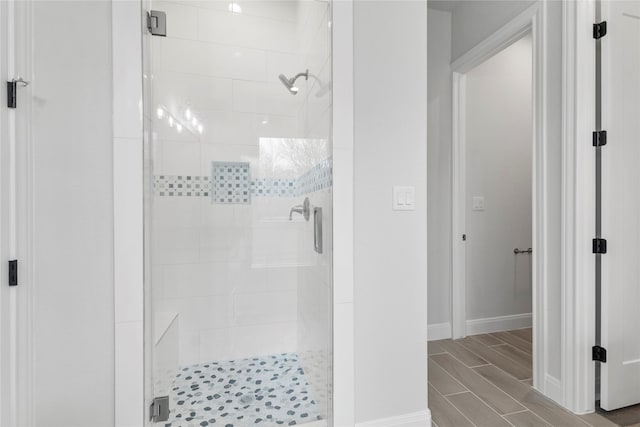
[(497, 324), (415, 419), (553, 388), (438, 331)]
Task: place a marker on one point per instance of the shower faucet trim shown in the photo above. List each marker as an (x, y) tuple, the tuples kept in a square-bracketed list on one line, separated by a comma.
[(304, 209)]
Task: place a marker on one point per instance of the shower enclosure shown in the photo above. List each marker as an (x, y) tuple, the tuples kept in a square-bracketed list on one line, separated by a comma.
[(238, 212)]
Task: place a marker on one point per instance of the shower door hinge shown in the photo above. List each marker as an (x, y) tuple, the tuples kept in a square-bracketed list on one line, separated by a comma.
[(464, 237), (159, 409), (599, 138), (599, 354), (13, 272), (599, 246), (157, 23), (600, 30)]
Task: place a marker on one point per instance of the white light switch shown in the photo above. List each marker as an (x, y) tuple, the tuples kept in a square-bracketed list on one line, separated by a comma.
[(478, 203), (404, 198)]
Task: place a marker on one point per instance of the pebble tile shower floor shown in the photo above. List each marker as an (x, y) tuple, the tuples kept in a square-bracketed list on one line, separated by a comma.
[(268, 391)]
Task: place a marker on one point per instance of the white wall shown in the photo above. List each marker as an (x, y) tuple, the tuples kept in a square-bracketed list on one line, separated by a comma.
[(73, 214), (553, 150), (499, 144), (390, 66), (474, 21), (342, 121), (128, 202), (439, 172)]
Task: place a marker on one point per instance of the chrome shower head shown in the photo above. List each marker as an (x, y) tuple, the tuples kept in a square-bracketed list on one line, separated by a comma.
[(290, 83)]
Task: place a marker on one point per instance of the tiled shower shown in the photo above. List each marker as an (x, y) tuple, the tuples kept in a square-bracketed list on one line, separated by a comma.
[(240, 295)]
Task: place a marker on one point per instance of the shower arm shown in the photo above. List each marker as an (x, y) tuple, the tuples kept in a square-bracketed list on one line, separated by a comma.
[(297, 76)]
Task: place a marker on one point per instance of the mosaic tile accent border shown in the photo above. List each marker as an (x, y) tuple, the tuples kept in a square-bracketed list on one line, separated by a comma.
[(274, 187), (231, 182), (181, 186), (268, 390), (317, 178)]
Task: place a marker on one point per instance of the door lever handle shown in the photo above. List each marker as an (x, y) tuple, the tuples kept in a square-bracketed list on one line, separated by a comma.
[(21, 81), (522, 251)]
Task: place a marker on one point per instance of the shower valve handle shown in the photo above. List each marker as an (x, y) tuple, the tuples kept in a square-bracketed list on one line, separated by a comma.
[(304, 209)]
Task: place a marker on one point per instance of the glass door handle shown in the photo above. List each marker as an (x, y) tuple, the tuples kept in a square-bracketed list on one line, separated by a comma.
[(317, 230)]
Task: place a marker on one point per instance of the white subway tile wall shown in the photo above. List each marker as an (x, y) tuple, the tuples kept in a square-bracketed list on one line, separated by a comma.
[(244, 279)]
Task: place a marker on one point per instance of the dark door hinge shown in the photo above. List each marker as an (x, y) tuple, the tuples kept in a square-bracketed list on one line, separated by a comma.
[(12, 87), (599, 246), (13, 272), (599, 30), (464, 237), (599, 354), (599, 138)]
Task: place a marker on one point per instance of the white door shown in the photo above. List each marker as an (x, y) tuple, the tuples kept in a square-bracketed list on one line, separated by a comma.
[(620, 375)]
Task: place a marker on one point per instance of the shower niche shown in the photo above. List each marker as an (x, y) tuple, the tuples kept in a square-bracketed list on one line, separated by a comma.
[(238, 298)]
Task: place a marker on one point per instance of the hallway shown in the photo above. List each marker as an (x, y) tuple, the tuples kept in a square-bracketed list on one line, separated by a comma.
[(485, 380)]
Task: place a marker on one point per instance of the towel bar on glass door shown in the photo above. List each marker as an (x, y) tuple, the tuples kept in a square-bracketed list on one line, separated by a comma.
[(522, 251)]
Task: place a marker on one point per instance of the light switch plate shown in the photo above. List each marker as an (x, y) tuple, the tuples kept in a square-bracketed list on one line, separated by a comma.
[(478, 203), (404, 198)]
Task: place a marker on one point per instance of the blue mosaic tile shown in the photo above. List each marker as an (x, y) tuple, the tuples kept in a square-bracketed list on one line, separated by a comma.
[(231, 182), (274, 187), (317, 178), (181, 186)]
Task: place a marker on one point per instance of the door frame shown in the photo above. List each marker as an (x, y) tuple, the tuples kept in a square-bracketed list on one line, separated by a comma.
[(16, 218), (7, 388), (578, 314), (578, 205), (530, 20)]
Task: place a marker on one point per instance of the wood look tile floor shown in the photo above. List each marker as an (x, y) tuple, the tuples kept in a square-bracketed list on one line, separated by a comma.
[(485, 381)]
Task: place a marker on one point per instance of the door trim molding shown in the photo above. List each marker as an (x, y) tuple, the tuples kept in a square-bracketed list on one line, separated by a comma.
[(532, 19), (130, 366), (7, 388), (16, 311), (578, 206)]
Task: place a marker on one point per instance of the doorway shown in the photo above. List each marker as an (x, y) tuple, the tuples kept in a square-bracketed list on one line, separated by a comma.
[(522, 271), (498, 253), (494, 174)]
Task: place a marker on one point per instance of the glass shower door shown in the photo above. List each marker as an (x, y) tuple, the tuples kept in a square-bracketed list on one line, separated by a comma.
[(239, 213)]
